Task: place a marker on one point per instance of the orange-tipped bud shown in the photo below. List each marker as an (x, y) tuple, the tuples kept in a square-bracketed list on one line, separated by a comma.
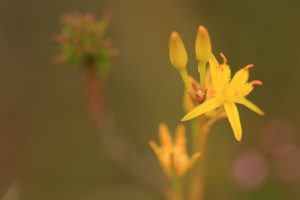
[(203, 45), (178, 55)]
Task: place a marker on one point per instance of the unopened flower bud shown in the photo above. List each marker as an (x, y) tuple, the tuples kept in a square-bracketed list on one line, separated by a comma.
[(178, 55), (203, 45)]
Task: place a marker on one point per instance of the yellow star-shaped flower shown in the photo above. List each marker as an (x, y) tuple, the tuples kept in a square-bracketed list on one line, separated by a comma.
[(226, 93), (172, 154)]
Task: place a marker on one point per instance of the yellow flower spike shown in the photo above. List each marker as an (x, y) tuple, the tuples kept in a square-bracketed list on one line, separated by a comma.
[(227, 93), (178, 56), (172, 154), (203, 53)]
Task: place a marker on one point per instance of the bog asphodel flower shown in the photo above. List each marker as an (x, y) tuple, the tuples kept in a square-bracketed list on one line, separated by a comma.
[(172, 154), (226, 93)]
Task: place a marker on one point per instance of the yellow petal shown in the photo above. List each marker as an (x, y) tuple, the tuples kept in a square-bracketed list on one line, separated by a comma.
[(194, 158), (208, 105), (224, 75), (178, 56), (163, 158), (208, 78), (234, 119), (213, 66), (158, 152), (245, 90), (155, 148), (239, 79), (203, 45), (180, 139), (183, 163), (165, 137), (251, 106)]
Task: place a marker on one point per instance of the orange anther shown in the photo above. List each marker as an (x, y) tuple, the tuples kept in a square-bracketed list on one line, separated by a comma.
[(247, 67), (224, 58), (256, 82)]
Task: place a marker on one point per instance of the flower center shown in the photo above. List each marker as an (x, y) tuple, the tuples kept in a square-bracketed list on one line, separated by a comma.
[(199, 95)]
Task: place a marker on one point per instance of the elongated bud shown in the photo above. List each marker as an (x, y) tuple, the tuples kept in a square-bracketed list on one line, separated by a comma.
[(203, 45), (178, 56)]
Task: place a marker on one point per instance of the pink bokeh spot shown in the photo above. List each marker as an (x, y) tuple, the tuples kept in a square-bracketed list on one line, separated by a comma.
[(278, 138), (287, 168), (250, 170)]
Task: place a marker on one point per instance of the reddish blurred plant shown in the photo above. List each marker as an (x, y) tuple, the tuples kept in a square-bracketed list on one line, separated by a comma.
[(83, 44)]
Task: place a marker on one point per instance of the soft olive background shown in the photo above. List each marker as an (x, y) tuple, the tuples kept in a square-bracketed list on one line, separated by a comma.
[(46, 137)]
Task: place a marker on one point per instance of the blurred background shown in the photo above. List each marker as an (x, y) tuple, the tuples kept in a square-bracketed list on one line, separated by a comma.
[(51, 150)]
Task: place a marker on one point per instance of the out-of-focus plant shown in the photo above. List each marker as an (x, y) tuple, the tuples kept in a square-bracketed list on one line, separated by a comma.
[(206, 102), (173, 157), (83, 44)]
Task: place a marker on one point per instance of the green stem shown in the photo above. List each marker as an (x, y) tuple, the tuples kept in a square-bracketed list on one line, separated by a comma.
[(177, 184), (195, 134), (186, 80), (197, 184), (196, 188)]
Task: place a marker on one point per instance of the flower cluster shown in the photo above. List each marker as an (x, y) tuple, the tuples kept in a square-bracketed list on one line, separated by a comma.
[(216, 92), (172, 154), (82, 42)]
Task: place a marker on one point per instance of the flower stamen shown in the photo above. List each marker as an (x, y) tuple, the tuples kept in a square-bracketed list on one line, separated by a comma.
[(194, 85), (224, 58), (256, 82), (247, 67), (199, 95)]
